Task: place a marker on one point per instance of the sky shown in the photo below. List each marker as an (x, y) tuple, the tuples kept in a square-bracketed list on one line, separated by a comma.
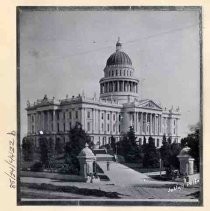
[(64, 53)]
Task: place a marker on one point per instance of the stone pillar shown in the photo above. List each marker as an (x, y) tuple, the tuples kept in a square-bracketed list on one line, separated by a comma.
[(146, 123), (86, 159), (82, 118), (186, 162), (48, 121), (150, 124), (191, 166), (141, 123), (29, 123), (111, 122), (93, 120), (99, 122), (105, 126), (84, 126), (159, 124), (134, 123)]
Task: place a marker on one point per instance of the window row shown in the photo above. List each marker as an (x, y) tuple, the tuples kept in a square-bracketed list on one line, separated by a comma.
[(112, 73)]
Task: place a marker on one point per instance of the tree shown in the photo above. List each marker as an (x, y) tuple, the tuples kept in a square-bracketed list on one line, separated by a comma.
[(193, 141), (44, 152), (169, 152), (165, 152), (128, 147), (27, 149), (78, 139), (169, 140), (113, 144), (151, 155), (175, 149)]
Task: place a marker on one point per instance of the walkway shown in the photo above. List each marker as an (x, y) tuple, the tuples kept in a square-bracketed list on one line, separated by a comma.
[(122, 175)]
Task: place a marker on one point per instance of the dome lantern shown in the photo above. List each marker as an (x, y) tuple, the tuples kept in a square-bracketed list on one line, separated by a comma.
[(118, 45)]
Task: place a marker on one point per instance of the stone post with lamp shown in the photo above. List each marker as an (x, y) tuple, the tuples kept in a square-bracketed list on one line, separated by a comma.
[(186, 162), (86, 159)]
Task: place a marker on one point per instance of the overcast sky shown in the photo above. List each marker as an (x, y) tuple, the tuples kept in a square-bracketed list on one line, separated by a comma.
[(65, 52)]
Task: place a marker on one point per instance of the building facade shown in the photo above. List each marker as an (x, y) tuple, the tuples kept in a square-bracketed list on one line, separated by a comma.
[(118, 108)]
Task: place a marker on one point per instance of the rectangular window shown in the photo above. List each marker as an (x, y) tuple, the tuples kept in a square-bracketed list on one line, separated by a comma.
[(64, 127), (107, 116), (64, 115), (58, 129), (108, 127), (76, 114), (88, 126), (114, 117), (52, 116), (174, 130), (52, 126), (88, 114), (102, 127), (102, 116), (70, 115), (57, 115), (69, 125), (174, 122), (32, 118)]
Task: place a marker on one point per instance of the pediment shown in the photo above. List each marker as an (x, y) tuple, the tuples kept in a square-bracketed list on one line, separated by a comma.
[(150, 105)]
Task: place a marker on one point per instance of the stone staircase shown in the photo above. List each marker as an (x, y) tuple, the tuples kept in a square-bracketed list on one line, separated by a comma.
[(102, 155)]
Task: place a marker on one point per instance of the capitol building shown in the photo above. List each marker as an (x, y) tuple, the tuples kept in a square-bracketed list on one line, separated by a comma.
[(118, 107)]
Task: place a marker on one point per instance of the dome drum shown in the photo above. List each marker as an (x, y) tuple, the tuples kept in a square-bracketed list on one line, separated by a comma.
[(116, 86)]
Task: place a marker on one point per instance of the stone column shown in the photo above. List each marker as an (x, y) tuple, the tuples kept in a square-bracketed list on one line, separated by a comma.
[(150, 123), (42, 120), (93, 120), (48, 121), (146, 123), (159, 124), (141, 123), (155, 124), (29, 123), (105, 127), (84, 126), (99, 121), (111, 126)]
